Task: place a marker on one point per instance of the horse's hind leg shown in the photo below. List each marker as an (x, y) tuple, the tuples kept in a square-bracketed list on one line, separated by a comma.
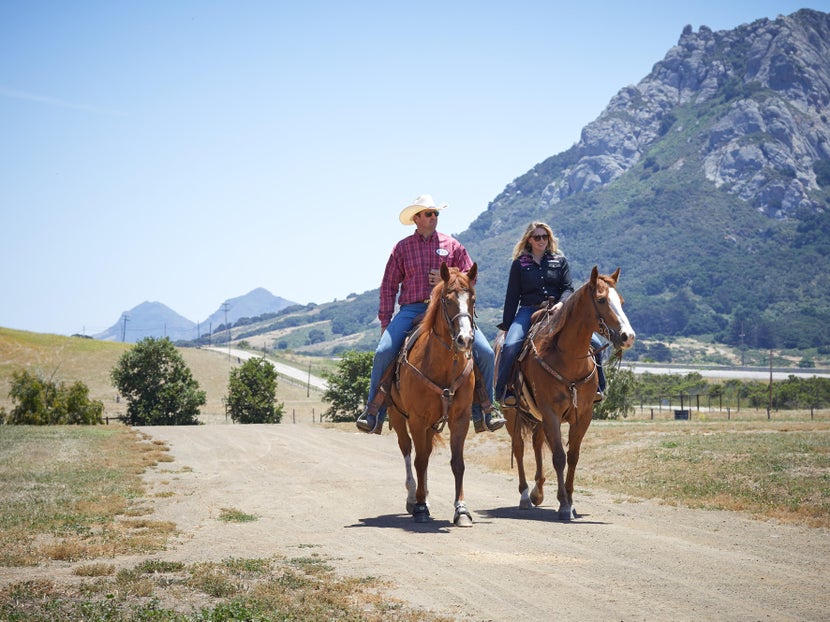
[(514, 429), (405, 444)]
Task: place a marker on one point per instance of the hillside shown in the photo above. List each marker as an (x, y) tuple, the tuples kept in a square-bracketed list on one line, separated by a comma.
[(708, 183), (67, 359)]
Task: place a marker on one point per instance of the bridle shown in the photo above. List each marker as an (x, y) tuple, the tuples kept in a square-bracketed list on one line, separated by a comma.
[(451, 320)]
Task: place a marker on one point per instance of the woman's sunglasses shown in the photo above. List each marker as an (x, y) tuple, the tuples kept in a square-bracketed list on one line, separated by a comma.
[(539, 238), (429, 214)]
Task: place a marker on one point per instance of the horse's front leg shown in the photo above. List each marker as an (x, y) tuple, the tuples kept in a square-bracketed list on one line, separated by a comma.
[(517, 444), (553, 431), (459, 426), (537, 495), (575, 435), (422, 439)]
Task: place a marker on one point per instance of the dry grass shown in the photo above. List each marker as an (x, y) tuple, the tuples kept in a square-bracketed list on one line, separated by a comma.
[(66, 490), (770, 469)]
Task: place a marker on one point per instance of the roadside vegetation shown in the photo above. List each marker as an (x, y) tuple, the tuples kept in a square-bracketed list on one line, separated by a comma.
[(74, 495), (74, 498)]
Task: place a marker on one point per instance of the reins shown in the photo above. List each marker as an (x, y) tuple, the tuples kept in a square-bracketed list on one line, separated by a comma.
[(571, 385), (445, 393)]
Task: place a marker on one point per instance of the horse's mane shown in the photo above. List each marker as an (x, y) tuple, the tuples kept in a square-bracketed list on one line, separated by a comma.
[(562, 317), (458, 280)]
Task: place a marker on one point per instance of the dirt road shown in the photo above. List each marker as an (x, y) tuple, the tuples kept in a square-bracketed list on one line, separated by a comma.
[(340, 495)]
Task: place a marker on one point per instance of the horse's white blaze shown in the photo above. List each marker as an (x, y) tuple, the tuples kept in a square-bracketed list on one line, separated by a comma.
[(465, 324), (625, 326)]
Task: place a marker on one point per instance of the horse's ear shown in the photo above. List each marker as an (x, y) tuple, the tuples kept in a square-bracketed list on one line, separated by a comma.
[(615, 276), (445, 272), (594, 275), (472, 272)]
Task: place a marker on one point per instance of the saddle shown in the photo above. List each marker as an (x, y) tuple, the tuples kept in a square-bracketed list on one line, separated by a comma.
[(392, 374)]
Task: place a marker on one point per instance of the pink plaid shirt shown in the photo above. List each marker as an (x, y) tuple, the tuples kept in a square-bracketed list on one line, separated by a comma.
[(408, 270)]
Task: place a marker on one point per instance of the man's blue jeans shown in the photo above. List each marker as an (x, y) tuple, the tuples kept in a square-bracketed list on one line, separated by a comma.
[(392, 340)]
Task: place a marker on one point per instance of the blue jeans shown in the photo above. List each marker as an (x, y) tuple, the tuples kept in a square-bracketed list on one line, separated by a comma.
[(512, 346), (599, 357), (392, 340)]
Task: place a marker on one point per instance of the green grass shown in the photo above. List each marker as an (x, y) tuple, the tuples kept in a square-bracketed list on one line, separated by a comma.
[(231, 515)]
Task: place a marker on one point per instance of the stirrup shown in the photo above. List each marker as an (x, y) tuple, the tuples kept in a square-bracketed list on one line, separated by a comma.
[(496, 420), (364, 423)]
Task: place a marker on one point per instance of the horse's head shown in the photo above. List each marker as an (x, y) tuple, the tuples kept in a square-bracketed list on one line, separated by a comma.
[(613, 323), (458, 300)]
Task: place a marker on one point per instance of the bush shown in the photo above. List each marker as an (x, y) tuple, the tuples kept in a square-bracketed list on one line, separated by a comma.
[(252, 390), (348, 387), (42, 402), (157, 384)]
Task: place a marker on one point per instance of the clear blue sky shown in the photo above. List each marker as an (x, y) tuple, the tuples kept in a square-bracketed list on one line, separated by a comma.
[(189, 152)]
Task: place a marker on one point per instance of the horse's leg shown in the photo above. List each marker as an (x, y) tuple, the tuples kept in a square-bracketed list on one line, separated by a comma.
[(459, 425), (537, 495), (514, 429), (422, 438), (398, 423), (575, 435), (553, 432)]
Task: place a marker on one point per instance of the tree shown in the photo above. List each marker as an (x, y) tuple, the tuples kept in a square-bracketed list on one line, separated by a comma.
[(42, 402), (252, 391), (619, 396), (348, 386), (157, 384)]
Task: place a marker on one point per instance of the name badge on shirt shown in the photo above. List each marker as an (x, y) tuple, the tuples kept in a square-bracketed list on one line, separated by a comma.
[(442, 252)]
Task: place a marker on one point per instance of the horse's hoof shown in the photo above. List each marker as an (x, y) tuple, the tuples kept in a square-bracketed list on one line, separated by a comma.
[(410, 507), (565, 515), (462, 517), (524, 503), (536, 496), (420, 513)]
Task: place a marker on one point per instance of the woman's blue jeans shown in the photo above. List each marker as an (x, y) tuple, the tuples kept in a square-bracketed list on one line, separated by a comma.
[(512, 346), (395, 334)]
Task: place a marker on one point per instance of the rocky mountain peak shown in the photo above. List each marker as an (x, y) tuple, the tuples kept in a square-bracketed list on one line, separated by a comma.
[(759, 96)]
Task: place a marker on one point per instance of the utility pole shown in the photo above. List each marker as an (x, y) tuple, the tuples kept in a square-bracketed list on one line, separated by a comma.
[(769, 408), (743, 349), (124, 320), (225, 307)]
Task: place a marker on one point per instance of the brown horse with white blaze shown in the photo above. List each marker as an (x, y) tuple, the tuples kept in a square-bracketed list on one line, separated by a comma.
[(558, 379), (434, 384)]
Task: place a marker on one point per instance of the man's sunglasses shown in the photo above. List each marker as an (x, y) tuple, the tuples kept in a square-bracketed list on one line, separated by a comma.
[(428, 214)]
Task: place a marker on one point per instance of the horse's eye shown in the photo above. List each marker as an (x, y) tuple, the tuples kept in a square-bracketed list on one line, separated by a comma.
[(602, 300)]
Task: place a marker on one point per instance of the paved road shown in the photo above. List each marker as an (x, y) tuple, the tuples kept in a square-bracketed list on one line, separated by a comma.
[(285, 370), (741, 373)]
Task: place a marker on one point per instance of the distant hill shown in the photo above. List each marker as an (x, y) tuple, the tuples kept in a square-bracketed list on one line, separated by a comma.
[(154, 319), (149, 319)]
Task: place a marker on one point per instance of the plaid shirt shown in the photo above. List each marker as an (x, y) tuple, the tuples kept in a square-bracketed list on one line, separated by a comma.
[(408, 269)]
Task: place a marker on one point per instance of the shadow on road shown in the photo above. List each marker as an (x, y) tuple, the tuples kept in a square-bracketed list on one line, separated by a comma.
[(546, 515), (404, 522)]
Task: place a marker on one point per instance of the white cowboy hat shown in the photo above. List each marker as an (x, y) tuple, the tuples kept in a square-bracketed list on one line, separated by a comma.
[(421, 203)]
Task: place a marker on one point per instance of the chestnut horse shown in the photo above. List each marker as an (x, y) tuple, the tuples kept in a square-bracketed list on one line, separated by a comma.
[(557, 374), (433, 386)]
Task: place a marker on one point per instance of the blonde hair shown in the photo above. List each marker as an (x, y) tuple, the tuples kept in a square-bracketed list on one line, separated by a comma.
[(523, 245)]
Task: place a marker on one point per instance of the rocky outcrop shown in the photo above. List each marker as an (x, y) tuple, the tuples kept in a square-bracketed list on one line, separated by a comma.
[(760, 95)]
